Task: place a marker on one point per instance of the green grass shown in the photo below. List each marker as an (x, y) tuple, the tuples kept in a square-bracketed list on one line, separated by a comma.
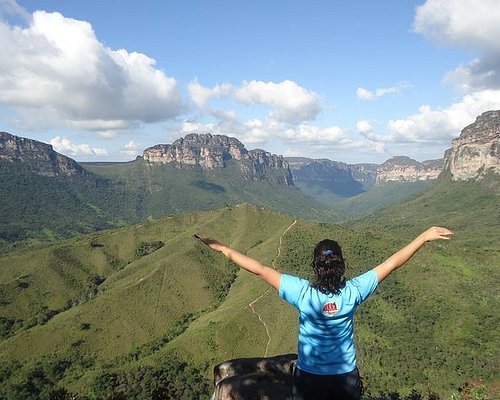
[(433, 324)]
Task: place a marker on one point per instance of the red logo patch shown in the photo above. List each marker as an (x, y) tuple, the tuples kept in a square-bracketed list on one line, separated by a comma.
[(330, 309)]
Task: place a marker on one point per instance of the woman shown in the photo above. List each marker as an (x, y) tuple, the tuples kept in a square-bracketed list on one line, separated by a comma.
[(326, 366)]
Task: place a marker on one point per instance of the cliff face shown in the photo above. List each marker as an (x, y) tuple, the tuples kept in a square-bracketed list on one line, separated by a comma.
[(365, 173), (405, 169), (319, 170), (215, 151), (477, 150), (38, 157)]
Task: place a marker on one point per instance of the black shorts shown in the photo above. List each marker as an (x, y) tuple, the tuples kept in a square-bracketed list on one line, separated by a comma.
[(308, 386)]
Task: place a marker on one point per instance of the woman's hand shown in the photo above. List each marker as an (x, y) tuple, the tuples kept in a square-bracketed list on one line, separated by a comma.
[(436, 233), (212, 243)]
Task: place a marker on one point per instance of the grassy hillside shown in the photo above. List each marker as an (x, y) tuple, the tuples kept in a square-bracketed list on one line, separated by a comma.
[(170, 190), (380, 196), (113, 307), (45, 208), (37, 208)]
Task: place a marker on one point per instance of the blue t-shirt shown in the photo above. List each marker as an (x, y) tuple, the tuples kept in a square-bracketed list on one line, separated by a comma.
[(326, 334)]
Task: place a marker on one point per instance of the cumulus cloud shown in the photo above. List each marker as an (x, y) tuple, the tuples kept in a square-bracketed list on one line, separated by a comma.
[(56, 66), (200, 94), (288, 101), (131, 149), (471, 24), (65, 146), (444, 124), (365, 94)]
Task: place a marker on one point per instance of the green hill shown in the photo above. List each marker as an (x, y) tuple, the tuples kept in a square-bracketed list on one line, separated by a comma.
[(380, 196), (38, 208), (112, 307)]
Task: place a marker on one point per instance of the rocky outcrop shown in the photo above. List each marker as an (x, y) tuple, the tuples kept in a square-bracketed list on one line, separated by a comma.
[(405, 169), (38, 157), (210, 152), (255, 378), (476, 152), (364, 173), (325, 175)]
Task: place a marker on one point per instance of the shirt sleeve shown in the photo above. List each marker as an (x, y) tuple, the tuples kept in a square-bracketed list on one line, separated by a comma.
[(364, 285), (291, 288)]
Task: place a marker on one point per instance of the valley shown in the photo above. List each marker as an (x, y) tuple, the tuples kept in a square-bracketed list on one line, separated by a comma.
[(102, 285)]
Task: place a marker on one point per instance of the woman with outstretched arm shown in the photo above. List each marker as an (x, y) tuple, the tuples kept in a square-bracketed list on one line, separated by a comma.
[(326, 366)]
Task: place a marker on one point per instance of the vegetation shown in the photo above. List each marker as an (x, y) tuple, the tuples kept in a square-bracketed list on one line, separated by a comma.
[(44, 209), (141, 310)]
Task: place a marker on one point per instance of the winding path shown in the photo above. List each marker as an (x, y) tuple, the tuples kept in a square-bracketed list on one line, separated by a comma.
[(268, 290)]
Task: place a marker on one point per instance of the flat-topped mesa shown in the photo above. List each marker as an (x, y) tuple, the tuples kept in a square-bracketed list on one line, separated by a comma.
[(477, 150), (405, 169), (38, 157), (215, 151)]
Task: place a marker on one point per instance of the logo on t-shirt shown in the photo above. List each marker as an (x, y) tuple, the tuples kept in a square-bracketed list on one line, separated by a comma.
[(330, 309)]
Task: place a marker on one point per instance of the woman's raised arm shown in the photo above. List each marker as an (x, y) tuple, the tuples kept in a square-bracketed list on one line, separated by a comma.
[(267, 274), (402, 256)]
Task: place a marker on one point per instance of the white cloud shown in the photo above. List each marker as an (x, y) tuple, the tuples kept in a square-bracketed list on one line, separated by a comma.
[(289, 101), (131, 149), (56, 66), (64, 146), (365, 94), (466, 23), (471, 23), (364, 127), (200, 94), (445, 124), (314, 134), (197, 127)]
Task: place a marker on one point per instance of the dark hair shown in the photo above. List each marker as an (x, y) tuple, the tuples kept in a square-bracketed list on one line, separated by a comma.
[(329, 267)]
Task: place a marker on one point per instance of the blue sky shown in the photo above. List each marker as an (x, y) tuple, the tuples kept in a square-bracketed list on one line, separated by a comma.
[(353, 81)]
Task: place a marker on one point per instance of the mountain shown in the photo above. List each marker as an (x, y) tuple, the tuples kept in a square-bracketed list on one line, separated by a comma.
[(39, 158), (323, 179), (46, 195), (120, 312), (88, 314), (215, 151), (405, 169), (476, 152), (359, 189)]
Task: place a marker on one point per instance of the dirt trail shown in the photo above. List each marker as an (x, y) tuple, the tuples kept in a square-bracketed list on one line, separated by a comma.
[(268, 290)]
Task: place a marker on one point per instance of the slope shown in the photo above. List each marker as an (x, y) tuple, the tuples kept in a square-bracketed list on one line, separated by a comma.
[(431, 325)]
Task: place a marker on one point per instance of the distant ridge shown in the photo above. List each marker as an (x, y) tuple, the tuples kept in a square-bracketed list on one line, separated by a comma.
[(476, 153), (38, 157), (210, 152)]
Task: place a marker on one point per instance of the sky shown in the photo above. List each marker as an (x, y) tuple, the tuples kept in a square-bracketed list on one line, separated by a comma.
[(352, 81)]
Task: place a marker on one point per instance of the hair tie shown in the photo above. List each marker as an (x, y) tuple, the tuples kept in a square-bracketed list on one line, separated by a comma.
[(329, 253)]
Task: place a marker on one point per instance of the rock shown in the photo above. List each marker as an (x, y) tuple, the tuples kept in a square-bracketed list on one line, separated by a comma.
[(405, 169), (331, 176), (210, 152), (255, 378), (38, 157), (476, 152)]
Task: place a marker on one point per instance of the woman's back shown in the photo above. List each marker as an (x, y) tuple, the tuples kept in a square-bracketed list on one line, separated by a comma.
[(326, 344)]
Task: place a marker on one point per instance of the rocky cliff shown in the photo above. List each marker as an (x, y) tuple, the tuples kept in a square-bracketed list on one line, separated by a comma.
[(38, 157), (364, 173), (324, 175), (405, 169), (210, 152), (476, 151)]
